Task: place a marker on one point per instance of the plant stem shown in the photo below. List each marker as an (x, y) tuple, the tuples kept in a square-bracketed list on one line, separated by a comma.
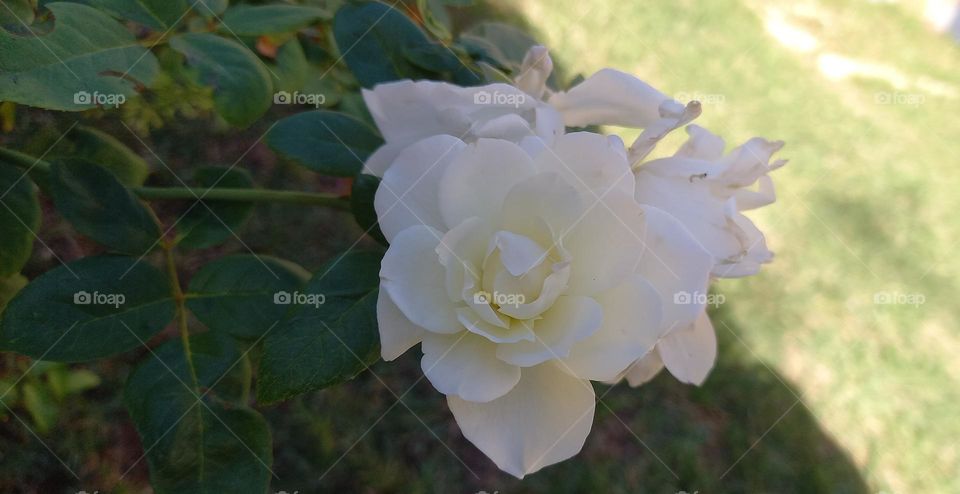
[(192, 193), (245, 195), (180, 300), (23, 160)]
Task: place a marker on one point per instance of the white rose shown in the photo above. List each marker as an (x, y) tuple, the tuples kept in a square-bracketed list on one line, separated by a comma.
[(407, 111), (528, 112), (708, 191), (526, 276)]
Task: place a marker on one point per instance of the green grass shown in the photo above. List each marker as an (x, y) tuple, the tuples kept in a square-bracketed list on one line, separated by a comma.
[(867, 204)]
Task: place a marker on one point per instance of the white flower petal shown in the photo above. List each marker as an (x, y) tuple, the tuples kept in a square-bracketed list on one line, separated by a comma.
[(610, 97), (534, 71), (495, 333), (397, 333), (408, 194), (689, 354), (752, 199), (544, 420), (540, 207), (702, 144), (645, 369), (588, 162), (630, 329), (466, 365), (476, 183), (411, 273), (553, 286), (381, 159), (460, 251), (648, 139), (607, 239), (677, 267), (518, 254), (571, 319), (508, 126)]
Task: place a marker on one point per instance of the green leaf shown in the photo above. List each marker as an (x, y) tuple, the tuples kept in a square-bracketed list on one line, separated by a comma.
[(511, 43), (105, 150), (9, 287), (361, 203), (239, 295), (319, 81), (248, 20), (17, 11), (41, 405), (327, 142), (159, 15), (197, 442), (213, 222), (80, 380), (211, 9), (86, 60), (8, 393), (435, 18), (88, 309), (318, 346), (242, 90), (374, 39), (100, 207), (19, 219), (292, 67)]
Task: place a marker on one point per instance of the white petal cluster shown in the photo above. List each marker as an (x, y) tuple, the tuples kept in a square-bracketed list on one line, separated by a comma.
[(527, 261)]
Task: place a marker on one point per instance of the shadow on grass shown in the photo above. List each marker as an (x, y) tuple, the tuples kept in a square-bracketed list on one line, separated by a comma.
[(744, 430)]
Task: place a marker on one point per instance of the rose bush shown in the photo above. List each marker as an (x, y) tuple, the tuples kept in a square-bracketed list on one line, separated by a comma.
[(526, 257)]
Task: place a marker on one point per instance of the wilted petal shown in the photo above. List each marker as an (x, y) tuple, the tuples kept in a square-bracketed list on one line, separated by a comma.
[(689, 353), (610, 97), (466, 365), (702, 144), (648, 139), (543, 420), (534, 71)]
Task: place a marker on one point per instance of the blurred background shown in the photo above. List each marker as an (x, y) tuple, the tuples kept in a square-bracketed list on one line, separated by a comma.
[(838, 367)]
